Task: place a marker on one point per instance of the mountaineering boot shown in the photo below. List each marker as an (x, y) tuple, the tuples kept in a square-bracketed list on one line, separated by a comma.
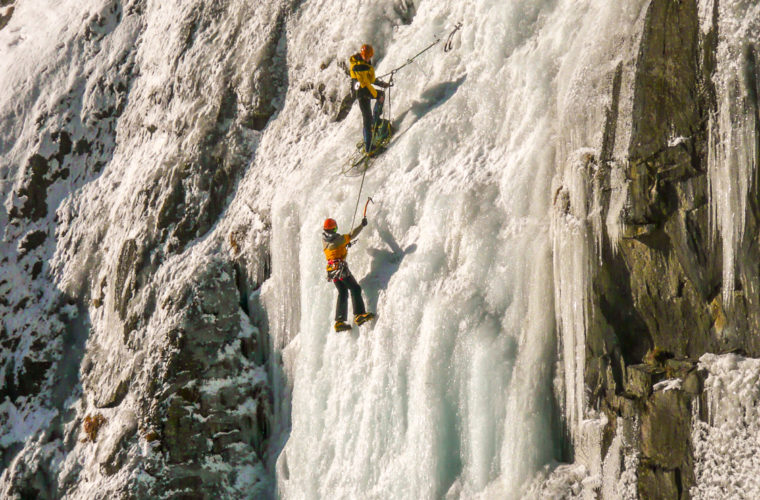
[(342, 326), (363, 318)]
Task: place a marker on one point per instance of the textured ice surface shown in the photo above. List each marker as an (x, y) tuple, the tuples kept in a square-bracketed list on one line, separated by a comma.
[(727, 446), (450, 392)]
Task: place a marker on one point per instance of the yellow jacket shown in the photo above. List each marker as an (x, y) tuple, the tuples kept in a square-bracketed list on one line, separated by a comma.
[(335, 245), (337, 249), (363, 72)]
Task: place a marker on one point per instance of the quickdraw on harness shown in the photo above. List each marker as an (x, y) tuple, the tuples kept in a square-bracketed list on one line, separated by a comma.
[(336, 269), (449, 45)]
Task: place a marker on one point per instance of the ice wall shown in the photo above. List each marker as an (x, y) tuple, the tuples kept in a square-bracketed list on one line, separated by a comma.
[(450, 392), (594, 89)]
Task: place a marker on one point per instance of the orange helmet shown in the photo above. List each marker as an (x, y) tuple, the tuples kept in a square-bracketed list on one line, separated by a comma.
[(367, 51), (330, 225)]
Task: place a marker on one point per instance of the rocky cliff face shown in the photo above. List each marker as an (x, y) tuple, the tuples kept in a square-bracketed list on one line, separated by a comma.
[(128, 345), (659, 294)]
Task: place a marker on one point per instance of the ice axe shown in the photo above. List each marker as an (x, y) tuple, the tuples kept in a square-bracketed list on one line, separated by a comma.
[(364, 214)]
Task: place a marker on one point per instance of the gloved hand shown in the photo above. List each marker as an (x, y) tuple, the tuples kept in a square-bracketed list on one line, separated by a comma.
[(364, 221)]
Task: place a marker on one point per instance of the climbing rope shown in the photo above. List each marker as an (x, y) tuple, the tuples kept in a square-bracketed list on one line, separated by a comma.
[(446, 48), (387, 111), (357, 199), (390, 85)]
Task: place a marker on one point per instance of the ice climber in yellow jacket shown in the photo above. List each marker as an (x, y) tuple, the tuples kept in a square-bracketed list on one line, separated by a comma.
[(362, 71), (335, 247)]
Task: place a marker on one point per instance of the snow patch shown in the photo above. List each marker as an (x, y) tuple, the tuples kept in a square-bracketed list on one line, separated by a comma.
[(727, 445), (671, 384)]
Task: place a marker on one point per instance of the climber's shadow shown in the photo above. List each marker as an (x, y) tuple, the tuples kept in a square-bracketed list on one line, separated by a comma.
[(385, 263), (430, 99)]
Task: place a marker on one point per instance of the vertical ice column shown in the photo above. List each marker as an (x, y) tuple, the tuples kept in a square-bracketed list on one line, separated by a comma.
[(733, 134), (282, 301), (572, 254)]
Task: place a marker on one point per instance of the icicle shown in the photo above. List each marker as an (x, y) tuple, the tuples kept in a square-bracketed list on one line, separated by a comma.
[(617, 203), (732, 140), (573, 254)]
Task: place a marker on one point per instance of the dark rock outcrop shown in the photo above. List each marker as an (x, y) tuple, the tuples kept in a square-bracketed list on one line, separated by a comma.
[(656, 299), (200, 414), (5, 17)]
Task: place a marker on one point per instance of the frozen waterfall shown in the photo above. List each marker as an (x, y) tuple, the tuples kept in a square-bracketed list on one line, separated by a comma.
[(450, 394)]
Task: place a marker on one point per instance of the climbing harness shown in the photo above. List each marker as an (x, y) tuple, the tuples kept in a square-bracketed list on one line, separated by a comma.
[(337, 269), (446, 48)]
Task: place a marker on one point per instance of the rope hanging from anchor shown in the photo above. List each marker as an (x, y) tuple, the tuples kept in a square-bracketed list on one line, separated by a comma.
[(447, 47)]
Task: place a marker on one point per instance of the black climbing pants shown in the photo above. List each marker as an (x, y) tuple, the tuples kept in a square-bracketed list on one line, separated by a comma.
[(343, 286), (368, 119)]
